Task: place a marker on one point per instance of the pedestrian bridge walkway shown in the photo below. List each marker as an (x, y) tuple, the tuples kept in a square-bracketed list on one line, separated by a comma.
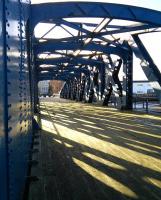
[(90, 152)]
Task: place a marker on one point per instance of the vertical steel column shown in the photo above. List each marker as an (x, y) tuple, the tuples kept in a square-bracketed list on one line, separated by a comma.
[(160, 97), (29, 59), (14, 115), (102, 80), (36, 96), (69, 90), (82, 87), (91, 90), (128, 80), (87, 85), (72, 89), (4, 153)]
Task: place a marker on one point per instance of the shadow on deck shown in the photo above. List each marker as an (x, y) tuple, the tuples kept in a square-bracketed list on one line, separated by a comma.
[(94, 153)]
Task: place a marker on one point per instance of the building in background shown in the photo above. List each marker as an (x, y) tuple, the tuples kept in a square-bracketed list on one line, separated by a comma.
[(55, 87), (43, 87), (142, 87)]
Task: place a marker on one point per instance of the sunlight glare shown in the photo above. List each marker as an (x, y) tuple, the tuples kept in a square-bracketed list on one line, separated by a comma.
[(153, 181), (103, 161), (109, 148), (106, 179)]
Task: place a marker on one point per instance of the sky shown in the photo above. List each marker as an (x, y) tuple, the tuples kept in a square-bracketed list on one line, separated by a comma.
[(151, 41)]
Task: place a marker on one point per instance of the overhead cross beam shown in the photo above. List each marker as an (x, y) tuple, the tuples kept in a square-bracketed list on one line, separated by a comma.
[(53, 46), (91, 35), (54, 61)]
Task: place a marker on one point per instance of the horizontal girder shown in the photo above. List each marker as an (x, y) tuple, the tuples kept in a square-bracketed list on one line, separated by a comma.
[(52, 46), (74, 61), (56, 68)]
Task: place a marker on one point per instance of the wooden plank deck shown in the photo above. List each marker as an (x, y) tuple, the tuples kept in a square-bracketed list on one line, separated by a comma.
[(95, 153)]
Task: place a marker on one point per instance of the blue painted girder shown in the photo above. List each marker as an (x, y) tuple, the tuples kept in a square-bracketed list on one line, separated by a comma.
[(74, 61), (63, 77), (52, 46), (63, 68), (151, 70), (64, 73), (67, 70), (49, 11), (57, 67), (78, 38)]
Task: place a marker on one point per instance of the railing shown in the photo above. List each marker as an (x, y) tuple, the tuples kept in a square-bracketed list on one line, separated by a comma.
[(144, 102)]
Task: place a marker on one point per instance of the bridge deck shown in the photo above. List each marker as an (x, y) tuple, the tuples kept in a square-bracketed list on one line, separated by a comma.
[(95, 153)]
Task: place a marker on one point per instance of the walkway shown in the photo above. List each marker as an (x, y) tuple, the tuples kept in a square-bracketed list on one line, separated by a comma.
[(95, 153)]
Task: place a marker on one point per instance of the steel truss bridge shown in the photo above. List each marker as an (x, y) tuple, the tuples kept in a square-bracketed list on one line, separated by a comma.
[(89, 61)]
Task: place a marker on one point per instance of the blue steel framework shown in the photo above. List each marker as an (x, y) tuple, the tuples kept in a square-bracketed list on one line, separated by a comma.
[(88, 76), (93, 76)]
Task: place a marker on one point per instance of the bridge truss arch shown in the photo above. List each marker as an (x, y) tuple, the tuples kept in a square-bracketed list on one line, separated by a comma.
[(91, 57)]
